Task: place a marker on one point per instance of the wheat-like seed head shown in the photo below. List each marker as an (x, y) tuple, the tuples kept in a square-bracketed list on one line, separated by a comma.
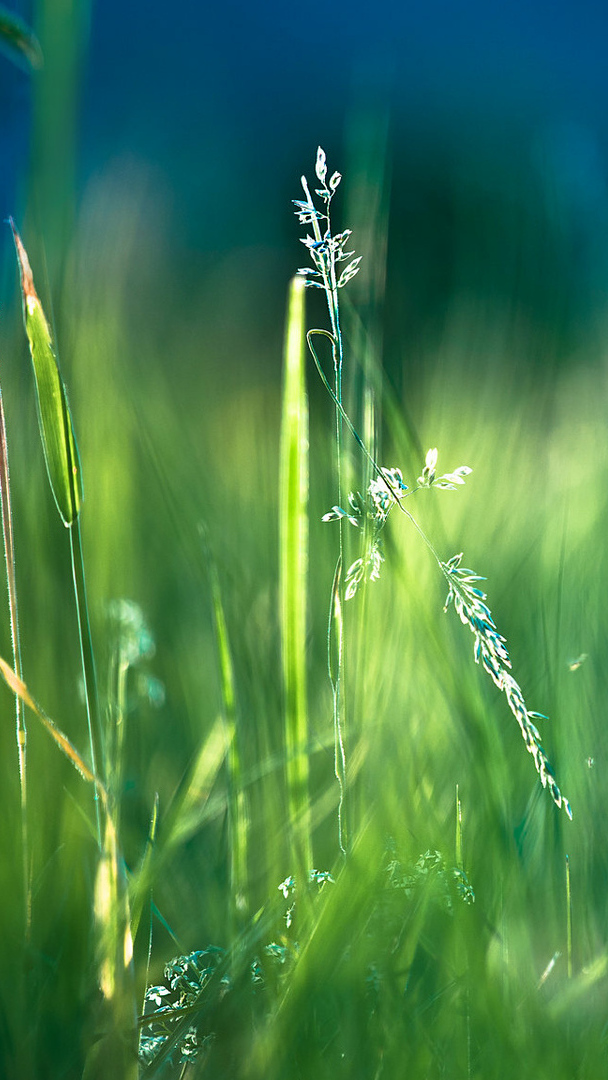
[(491, 648)]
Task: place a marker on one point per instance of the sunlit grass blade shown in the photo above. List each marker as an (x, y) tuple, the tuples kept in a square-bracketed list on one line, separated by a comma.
[(568, 918), (56, 428), (116, 1051), (293, 490), (18, 41), (64, 472)]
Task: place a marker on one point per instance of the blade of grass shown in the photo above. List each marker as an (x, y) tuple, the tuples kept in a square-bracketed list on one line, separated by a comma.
[(56, 428), (116, 1050), (238, 809), (64, 472), (21, 728), (191, 808), (568, 918), (293, 488), (86, 653)]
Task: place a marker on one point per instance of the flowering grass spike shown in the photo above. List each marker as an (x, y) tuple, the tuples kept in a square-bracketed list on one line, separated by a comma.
[(491, 648), (387, 489)]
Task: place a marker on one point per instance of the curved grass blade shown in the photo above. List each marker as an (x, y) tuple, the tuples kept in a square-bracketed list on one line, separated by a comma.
[(56, 428), (18, 41)]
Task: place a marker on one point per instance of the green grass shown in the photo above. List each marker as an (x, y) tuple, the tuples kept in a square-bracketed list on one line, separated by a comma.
[(203, 506)]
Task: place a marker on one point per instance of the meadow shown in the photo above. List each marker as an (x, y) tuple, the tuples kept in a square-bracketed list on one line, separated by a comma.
[(290, 872)]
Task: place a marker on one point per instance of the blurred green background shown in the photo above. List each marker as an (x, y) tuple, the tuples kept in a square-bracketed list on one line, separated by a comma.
[(150, 166)]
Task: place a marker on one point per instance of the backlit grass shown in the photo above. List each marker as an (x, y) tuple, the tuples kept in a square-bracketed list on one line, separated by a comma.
[(432, 932)]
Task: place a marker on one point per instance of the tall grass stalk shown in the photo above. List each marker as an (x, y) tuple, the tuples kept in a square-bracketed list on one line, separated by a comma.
[(91, 695), (387, 488), (568, 919), (21, 727), (458, 845), (326, 251), (293, 489), (64, 472)]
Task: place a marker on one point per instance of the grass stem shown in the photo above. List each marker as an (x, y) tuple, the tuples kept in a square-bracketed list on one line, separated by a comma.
[(88, 663), (568, 918), (21, 728)]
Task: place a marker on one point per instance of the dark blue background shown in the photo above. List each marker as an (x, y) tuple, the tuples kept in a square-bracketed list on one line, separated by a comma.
[(227, 99), (223, 104), (224, 97)]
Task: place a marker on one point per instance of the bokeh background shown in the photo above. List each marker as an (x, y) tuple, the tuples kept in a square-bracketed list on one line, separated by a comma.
[(485, 117), (150, 166)]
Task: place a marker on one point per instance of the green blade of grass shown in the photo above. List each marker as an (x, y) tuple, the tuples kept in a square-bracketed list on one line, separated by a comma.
[(65, 477), (56, 428), (191, 808), (238, 809), (293, 487), (116, 1051), (11, 581)]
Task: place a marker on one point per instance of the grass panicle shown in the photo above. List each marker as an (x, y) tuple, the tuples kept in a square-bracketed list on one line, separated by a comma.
[(491, 650), (387, 488)]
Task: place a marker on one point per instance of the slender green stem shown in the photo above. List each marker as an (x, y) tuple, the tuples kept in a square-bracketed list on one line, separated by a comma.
[(337, 587), (459, 862), (568, 918), (398, 496), (327, 269), (88, 662), (21, 729), (335, 616)]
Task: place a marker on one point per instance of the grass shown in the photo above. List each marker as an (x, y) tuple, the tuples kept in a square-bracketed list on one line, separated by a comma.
[(359, 876)]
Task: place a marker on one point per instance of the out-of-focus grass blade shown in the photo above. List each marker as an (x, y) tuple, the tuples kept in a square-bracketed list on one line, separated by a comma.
[(18, 41), (191, 808), (56, 428), (116, 1051), (293, 488), (18, 687), (238, 809), (581, 986)]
